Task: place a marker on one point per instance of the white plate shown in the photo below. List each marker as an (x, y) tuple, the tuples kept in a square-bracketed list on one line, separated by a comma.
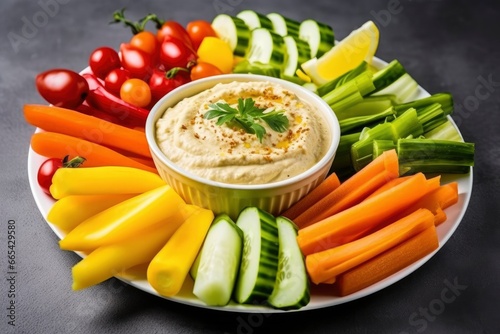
[(320, 298)]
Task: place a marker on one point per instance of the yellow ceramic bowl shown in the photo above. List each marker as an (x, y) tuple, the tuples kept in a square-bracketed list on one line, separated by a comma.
[(227, 198)]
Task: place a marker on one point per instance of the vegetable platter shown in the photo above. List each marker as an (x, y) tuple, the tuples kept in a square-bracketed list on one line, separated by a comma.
[(322, 295)]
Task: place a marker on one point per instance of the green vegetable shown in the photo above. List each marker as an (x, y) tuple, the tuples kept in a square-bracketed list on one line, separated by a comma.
[(259, 262), (234, 31), (284, 26), (291, 289), (218, 262), (246, 116), (319, 36), (267, 47), (255, 20), (429, 155)]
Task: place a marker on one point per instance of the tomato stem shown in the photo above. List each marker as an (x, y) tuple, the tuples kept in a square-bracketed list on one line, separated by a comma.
[(137, 26), (73, 163)]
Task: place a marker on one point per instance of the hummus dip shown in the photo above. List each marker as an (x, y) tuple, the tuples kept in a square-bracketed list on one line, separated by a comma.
[(229, 154)]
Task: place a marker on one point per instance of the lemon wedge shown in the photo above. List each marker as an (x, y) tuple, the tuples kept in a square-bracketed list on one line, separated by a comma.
[(361, 44)]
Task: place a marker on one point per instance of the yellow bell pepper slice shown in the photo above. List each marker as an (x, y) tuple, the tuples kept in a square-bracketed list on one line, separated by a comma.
[(70, 211), (114, 259), (124, 220), (102, 180), (169, 268)]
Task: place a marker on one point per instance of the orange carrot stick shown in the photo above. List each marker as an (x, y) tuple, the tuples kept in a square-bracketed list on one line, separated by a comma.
[(437, 200), (381, 170), (54, 145), (351, 223), (328, 264), (388, 263), (93, 129), (327, 186)]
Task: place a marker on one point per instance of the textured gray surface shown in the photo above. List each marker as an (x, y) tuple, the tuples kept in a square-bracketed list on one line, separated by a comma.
[(446, 45)]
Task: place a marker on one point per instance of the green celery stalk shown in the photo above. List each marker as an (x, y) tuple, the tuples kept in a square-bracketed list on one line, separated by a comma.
[(444, 99), (337, 82), (351, 92), (389, 74), (445, 131), (352, 123)]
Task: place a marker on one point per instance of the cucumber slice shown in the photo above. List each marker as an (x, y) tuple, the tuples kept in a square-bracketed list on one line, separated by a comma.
[(219, 261), (267, 47), (298, 52), (259, 261), (255, 20), (283, 25), (319, 36), (291, 289), (233, 31), (257, 68)]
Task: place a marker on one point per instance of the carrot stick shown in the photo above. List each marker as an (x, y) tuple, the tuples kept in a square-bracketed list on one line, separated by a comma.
[(93, 129), (328, 264), (437, 200), (54, 145), (381, 170), (388, 263), (351, 223), (327, 186)]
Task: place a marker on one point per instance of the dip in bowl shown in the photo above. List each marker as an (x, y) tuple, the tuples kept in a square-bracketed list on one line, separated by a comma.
[(226, 166)]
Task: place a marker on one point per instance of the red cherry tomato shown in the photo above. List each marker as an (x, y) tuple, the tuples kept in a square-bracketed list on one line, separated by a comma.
[(115, 79), (162, 82), (203, 70), (198, 30), (49, 167), (137, 62), (175, 53), (103, 60), (173, 29), (62, 88), (136, 92), (145, 41)]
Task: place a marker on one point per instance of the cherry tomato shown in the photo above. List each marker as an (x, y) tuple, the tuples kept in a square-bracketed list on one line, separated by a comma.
[(103, 60), (145, 41), (175, 53), (115, 79), (137, 62), (62, 88), (173, 29), (136, 92), (162, 82), (203, 70), (198, 30), (49, 167)]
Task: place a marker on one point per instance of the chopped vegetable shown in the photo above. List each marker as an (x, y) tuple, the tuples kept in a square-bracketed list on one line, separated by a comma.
[(219, 262), (353, 190), (70, 211), (76, 124), (327, 264), (354, 222), (167, 271), (291, 289), (124, 220), (322, 190), (110, 260), (259, 262), (387, 263), (106, 180), (51, 144)]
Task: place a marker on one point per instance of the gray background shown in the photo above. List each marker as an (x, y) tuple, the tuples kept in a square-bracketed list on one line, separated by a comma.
[(446, 45)]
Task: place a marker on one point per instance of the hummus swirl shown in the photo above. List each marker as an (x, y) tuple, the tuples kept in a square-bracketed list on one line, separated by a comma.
[(229, 154)]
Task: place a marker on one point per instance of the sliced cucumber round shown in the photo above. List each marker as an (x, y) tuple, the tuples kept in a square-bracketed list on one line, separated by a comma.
[(291, 290), (255, 20), (319, 36), (283, 25), (219, 262), (267, 47), (259, 261), (298, 52), (233, 31)]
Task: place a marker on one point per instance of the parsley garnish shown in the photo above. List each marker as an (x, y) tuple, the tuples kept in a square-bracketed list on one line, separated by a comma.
[(246, 116)]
